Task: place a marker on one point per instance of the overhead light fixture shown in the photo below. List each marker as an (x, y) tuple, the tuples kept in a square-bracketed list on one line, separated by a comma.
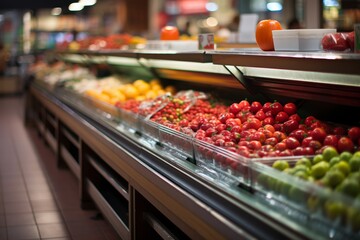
[(87, 2), (274, 6), (211, 6), (56, 11), (76, 6), (211, 22)]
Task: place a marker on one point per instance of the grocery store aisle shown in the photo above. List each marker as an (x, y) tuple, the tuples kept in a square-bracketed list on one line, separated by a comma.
[(38, 200)]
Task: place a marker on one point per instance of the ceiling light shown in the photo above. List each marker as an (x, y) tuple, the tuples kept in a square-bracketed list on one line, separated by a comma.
[(212, 22), (211, 6), (76, 6), (56, 11), (87, 2), (274, 6), (331, 3)]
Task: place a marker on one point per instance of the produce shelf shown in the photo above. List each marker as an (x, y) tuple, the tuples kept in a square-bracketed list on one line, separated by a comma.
[(227, 183), (325, 62)]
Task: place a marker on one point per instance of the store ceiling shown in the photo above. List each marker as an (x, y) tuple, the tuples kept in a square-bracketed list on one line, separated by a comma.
[(33, 4)]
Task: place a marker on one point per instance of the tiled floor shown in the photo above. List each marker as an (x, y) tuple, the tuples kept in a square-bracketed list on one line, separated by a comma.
[(38, 200)]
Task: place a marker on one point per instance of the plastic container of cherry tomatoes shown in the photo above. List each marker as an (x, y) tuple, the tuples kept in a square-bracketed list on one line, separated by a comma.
[(234, 166), (130, 119), (180, 140), (146, 110)]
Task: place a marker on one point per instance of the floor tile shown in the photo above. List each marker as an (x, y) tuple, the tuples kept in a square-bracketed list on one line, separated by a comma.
[(22, 207), (2, 221), (23, 232), (48, 217), (40, 195), (38, 187), (20, 219), (3, 234), (18, 188), (16, 197), (53, 230), (12, 182), (44, 205)]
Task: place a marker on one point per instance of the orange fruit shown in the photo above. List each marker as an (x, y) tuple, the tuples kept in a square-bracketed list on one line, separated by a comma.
[(263, 34), (169, 33), (130, 92)]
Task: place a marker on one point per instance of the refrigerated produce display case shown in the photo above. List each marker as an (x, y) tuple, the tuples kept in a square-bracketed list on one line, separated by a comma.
[(156, 180)]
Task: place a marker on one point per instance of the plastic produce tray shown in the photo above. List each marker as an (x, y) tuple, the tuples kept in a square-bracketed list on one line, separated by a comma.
[(180, 141), (225, 162), (329, 213), (149, 128)]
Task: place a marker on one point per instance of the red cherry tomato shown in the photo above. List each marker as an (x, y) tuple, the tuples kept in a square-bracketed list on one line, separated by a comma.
[(290, 125), (292, 143), (234, 108), (354, 133), (318, 134), (299, 134), (310, 120), (281, 117), (255, 107), (290, 108), (275, 108), (345, 144), (331, 140), (244, 104), (260, 115)]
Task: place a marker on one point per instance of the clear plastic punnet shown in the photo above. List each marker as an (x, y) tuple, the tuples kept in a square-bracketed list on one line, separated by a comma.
[(234, 166), (328, 212), (182, 141)]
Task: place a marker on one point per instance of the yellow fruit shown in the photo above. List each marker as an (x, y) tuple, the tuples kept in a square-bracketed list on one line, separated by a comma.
[(140, 98), (103, 97), (131, 92), (138, 82), (112, 93), (120, 97), (150, 94), (156, 87), (121, 88), (113, 101), (91, 92), (160, 92), (154, 82), (143, 88)]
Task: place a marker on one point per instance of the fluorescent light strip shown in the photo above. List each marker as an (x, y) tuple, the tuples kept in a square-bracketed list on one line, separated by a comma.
[(76, 6), (87, 2)]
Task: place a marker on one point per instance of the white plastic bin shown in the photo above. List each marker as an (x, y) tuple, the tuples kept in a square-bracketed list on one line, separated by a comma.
[(299, 39)]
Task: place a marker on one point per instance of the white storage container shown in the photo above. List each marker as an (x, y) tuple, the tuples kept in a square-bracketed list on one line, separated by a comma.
[(299, 39), (286, 40)]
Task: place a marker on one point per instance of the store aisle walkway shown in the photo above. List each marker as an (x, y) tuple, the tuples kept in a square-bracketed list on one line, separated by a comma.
[(38, 200)]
